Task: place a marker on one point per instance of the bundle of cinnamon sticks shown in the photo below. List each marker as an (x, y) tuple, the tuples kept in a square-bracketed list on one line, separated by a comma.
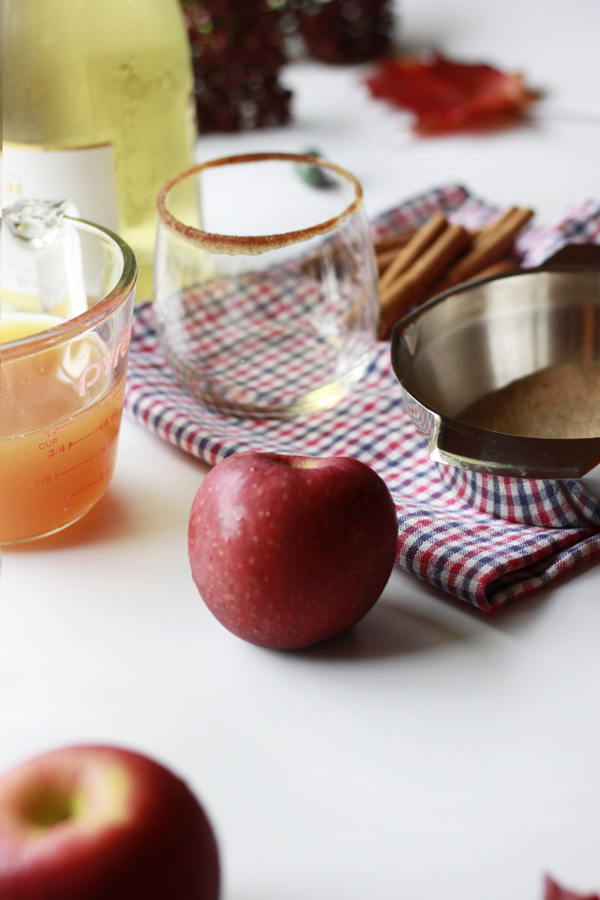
[(416, 264)]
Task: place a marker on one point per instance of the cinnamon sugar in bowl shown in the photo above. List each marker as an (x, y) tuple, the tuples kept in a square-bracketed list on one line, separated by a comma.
[(502, 375)]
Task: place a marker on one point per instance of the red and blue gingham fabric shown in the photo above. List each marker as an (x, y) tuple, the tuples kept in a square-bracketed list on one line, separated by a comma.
[(485, 546), (229, 325)]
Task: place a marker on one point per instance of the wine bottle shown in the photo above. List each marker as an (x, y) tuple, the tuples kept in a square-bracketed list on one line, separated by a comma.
[(98, 110)]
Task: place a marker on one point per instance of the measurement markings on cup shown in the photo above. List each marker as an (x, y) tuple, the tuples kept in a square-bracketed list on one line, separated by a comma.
[(52, 429), (96, 481), (83, 462)]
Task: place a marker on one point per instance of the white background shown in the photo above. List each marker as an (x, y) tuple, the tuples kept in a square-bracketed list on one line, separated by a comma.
[(431, 752)]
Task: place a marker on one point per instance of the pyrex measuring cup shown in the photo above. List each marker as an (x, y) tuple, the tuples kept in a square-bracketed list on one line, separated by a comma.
[(67, 298)]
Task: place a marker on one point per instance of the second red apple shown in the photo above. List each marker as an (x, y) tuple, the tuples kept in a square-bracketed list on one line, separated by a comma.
[(287, 551), (103, 823)]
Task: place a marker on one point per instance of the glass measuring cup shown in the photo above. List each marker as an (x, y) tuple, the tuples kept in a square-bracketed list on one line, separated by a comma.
[(67, 299)]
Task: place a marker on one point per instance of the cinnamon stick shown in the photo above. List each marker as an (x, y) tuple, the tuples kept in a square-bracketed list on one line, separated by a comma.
[(497, 268), (421, 240), (385, 258), (502, 267), (394, 241), (488, 230), (408, 287), (491, 248)]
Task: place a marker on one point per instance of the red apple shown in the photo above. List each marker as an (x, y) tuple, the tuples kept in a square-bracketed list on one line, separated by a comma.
[(287, 551), (103, 823)]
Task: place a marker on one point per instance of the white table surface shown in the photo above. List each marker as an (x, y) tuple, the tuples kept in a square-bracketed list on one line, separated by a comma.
[(431, 752)]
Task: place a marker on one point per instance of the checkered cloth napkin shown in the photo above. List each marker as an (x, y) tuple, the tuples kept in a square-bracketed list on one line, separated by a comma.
[(229, 325), (484, 544)]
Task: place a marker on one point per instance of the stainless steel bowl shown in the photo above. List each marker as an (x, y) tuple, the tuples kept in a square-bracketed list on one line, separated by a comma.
[(486, 334)]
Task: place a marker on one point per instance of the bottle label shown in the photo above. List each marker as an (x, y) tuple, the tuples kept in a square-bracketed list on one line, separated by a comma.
[(83, 175)]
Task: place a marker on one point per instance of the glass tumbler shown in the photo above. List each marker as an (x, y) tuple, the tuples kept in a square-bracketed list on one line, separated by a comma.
[(67, 299), (267, 307)]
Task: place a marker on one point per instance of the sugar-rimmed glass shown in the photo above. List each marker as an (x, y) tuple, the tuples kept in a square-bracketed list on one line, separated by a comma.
[(270, 308)]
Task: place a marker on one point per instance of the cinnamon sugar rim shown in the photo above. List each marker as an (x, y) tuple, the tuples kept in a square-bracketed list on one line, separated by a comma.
[(235, 244)]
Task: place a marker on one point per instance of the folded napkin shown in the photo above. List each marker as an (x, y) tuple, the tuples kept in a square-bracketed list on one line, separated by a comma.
[(485, 547)]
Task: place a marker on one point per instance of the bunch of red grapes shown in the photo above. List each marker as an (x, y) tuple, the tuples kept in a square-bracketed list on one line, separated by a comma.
[(239, 47)]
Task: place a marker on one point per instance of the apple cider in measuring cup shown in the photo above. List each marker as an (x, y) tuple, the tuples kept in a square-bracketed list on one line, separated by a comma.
[(68, 290), (58, 447)]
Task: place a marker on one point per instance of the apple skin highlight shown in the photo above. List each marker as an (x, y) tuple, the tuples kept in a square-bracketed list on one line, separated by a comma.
[(97, 822), (288, 551)]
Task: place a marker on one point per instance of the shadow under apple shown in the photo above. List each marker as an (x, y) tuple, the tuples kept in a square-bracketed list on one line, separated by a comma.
[(389, 629)]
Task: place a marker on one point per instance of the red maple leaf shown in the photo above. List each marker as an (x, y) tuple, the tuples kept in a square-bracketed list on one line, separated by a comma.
[(555, 892), (449, 96)]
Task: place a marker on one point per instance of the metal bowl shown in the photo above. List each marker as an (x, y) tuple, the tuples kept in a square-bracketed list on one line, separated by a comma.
[(484, 335)]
